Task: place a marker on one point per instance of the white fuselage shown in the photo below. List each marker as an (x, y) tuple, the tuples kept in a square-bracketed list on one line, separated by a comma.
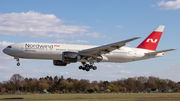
[(30, 50)]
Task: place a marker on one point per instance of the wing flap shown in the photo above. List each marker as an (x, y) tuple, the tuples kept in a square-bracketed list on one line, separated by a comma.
[(105, 48), (156, 52)]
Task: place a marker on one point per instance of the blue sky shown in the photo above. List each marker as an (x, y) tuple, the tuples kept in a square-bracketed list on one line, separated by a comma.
[(90, 22)]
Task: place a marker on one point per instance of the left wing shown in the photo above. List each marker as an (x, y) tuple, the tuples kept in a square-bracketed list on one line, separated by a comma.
[(106, 48)]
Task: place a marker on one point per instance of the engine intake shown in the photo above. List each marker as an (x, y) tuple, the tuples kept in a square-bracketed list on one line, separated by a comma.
[(69, 57)]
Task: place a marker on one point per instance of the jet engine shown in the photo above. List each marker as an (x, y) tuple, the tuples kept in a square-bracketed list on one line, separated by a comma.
[(59, 63), (69, 57)]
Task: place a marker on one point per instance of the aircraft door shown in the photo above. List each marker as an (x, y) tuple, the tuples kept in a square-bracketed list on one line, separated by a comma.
[(131, 54), (21, 50)]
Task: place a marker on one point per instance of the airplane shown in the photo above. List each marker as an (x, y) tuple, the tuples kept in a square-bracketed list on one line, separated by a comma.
[(63, 54)]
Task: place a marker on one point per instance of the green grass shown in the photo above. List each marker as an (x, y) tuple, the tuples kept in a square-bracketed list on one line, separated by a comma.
[(94, 97)]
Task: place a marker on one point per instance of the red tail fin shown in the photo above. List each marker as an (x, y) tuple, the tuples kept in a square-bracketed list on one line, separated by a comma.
[(152, 40)]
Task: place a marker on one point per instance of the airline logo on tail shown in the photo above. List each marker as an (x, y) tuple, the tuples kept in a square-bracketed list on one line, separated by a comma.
[(151, 42)]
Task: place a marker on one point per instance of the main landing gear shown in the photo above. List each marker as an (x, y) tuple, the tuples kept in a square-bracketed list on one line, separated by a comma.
[(17, 59), (87, 67)]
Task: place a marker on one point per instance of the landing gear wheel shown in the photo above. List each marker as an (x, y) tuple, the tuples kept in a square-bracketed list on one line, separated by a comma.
[(94, 68), (18, 64), (87, 69), (17, 59), (83, 68), (91, 66), (80, 67), (87, 65)]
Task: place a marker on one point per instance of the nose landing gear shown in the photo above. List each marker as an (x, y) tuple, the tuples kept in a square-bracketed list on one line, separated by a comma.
[(18, 64), (17, 59)]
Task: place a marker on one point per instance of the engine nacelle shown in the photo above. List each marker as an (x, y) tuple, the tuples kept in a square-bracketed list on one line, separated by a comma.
[(59, 63), (69, 57)]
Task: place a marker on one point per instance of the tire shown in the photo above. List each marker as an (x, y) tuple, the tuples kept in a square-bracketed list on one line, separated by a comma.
[(80, 67), (94, 68), (18, 64), (83, 68), (91, 66), (87, 69), (87, 65)]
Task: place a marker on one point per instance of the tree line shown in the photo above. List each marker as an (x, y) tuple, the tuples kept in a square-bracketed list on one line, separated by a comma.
[(18, 83)]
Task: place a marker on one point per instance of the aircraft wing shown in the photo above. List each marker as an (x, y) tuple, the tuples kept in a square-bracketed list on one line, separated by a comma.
[(105, 48), (156, 52)]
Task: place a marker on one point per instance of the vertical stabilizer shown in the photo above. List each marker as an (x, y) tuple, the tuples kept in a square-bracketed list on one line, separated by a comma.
[(151, 42)]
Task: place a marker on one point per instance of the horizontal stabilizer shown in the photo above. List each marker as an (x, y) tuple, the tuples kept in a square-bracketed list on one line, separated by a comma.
[(156, 52)]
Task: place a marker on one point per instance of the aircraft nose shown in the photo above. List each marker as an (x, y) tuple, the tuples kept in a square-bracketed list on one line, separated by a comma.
[(5, 51)]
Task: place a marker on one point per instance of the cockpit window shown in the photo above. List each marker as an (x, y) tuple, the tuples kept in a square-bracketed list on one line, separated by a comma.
[(9, 46)]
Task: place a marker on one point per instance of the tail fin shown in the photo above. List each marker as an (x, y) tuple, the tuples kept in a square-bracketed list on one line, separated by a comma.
[(152, 40)]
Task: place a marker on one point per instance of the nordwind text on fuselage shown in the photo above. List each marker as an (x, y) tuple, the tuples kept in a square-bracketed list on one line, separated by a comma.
[(38, 46)]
